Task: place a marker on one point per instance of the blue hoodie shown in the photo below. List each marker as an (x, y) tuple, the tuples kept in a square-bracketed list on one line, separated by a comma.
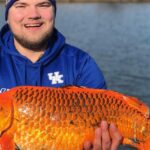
[(61, 65)]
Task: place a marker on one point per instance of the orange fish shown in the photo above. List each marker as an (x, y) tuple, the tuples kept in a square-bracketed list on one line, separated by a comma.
[(43, 118)]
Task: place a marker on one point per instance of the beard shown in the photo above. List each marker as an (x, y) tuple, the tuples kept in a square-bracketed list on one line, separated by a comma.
[(34, 45)]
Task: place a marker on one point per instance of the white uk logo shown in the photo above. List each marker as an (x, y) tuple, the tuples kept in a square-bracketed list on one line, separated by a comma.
[(55, 77), (2, 90)]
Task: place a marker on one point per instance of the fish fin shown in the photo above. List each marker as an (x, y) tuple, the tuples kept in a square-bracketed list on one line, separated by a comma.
[(6, 142), (130, 142), (137, 104), (132, 102), (73, 87), (139, 145)]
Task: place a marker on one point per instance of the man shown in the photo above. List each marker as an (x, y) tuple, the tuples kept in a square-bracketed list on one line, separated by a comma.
[(34, 52)]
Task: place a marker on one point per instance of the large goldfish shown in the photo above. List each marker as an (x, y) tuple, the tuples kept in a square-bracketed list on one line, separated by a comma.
[(43, 118)]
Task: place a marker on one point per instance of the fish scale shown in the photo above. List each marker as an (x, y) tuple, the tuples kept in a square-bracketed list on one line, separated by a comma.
[(63, 118)]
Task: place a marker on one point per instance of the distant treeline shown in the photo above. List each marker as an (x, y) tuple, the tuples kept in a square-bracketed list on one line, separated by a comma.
[(98, 1)]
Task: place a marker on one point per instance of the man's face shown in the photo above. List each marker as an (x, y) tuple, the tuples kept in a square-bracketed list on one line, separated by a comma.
[(31, 22)]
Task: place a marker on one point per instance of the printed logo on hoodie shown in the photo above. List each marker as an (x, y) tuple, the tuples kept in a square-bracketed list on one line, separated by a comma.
[(56, 77)]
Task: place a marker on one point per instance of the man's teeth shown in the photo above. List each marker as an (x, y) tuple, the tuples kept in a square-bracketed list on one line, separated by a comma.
[(33, 25)]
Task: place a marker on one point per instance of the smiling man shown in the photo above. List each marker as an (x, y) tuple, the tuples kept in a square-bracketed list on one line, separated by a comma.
[(32, 25), (34, 52)]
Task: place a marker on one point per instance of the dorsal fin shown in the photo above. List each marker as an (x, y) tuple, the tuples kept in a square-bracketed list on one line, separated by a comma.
[(137, 104)]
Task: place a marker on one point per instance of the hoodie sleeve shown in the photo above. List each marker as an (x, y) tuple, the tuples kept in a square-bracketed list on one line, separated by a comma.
[(89, 74)]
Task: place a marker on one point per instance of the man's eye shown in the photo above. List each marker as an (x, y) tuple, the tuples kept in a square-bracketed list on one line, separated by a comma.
[(19, 6), (45, 5)]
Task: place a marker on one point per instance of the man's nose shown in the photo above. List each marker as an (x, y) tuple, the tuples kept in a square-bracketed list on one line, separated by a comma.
[(33, 13)]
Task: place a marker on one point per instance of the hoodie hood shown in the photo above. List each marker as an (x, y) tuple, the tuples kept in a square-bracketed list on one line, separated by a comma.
[(55, 46)]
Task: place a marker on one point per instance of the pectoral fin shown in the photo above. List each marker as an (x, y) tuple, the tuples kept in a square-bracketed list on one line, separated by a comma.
[(131, 143), (139, 145)]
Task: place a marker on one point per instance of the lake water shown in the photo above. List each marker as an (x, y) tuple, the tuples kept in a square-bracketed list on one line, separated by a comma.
[(117, 36)]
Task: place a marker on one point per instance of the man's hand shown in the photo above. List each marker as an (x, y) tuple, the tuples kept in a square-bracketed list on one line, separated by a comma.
[(106, 138)]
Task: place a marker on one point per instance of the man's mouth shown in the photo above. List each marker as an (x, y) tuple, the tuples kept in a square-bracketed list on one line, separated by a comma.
[(33, 25)]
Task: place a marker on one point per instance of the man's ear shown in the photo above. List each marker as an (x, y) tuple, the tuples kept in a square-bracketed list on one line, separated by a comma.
[(7, 21)]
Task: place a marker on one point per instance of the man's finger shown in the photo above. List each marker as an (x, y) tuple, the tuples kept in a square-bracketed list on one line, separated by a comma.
[(97, 141), (115, 136), (88, 145), (106, 140)]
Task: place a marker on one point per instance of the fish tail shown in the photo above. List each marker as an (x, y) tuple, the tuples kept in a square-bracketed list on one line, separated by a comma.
[(6, 142)]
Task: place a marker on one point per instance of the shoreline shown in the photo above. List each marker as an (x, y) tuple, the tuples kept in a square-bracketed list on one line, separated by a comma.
[(97, 1)]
